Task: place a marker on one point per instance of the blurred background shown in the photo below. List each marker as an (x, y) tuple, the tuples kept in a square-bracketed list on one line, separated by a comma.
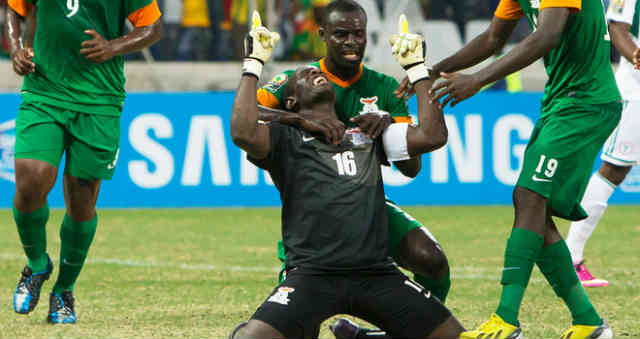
[(205, 37)]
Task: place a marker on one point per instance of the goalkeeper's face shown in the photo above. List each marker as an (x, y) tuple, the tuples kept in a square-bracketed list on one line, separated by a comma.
[(308, 86), (345, 35)]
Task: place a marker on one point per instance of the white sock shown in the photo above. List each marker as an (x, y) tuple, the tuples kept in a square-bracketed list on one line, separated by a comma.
[(594, 202)]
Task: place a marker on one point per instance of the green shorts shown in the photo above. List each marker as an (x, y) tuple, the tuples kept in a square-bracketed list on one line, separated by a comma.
[(399, 223), (559, 158), (91, 141)]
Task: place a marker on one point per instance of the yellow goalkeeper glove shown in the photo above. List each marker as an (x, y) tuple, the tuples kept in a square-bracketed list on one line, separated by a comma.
[(258, 46), (410, 51)]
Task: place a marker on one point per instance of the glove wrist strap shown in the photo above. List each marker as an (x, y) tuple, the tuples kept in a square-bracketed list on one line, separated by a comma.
[(417, 72), (252, 66)]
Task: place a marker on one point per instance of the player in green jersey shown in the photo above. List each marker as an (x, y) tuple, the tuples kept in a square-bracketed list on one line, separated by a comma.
[(580, 108), (363, 97), (72, 99)]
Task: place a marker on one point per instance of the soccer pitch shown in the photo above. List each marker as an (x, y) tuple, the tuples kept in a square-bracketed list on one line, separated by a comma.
[(198, 272)]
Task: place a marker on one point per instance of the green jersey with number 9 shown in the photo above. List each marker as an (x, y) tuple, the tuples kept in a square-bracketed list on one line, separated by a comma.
[(65, 78), (579, 68)]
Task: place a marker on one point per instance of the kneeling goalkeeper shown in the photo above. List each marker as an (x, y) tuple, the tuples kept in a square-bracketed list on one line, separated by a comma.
[(334, 221)]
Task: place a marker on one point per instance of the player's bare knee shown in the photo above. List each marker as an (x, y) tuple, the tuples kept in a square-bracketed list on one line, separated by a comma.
[(81, 210), (34, 180), (81, 196), (257, 329), (614, 173), (427, 258)]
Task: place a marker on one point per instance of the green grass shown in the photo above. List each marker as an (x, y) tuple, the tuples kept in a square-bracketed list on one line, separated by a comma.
[(199, 272)]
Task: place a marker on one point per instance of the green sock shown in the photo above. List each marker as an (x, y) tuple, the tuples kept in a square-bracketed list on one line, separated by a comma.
[(33, 235), (556, 265), (439, 288), (522, 250), (75, 238)]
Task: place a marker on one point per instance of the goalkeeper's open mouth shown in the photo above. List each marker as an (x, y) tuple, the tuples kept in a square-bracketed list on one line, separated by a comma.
[(320, 80)]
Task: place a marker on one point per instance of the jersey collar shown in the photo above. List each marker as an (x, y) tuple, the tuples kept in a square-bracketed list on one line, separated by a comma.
[(336, 80)]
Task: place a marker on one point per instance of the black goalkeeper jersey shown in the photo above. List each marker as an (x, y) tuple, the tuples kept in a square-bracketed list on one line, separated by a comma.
[(333, 203)]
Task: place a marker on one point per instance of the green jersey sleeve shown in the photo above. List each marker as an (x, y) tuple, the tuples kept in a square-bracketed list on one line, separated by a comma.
[(396, 107), (133, 5), (270, 94)]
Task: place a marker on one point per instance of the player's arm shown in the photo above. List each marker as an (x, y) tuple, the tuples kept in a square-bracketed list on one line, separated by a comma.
[(551, 24), (246, 132), (485, 45), (332, 129), (147, 31), (482, 47), (623, 41), (404, 141), (21, 50)]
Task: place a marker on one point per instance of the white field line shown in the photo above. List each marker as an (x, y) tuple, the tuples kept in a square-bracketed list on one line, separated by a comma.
[(461, 272)]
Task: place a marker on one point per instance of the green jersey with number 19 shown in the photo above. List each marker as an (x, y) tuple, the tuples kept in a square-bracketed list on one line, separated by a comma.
[(65, 78)]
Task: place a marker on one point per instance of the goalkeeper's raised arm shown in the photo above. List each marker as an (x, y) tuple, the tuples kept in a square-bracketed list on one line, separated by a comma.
[(245, 130), (430, 133)]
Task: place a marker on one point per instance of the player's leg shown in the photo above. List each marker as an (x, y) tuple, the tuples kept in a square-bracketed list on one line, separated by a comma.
[(523, 246), (619, 154), (417, 250), (256, 329), (39, 147), (600, 188), (401, 307), (556, 266), (572, 141), (91, 157), (297, 307)]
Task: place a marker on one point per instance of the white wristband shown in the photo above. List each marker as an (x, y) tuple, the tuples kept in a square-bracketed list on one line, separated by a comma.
[(418, 72), (252, 66), (394, 140)]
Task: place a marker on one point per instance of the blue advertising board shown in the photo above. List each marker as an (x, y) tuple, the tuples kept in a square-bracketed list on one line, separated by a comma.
[(176, 151)]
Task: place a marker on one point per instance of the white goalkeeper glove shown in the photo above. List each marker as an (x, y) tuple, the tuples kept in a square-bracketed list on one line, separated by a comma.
[(409, 50), (258, 46)]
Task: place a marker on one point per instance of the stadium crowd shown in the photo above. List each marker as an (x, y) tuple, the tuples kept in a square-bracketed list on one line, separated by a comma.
[(212, 30)]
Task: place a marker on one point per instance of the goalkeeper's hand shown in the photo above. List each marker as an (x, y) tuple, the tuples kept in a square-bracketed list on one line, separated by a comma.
[(409, 50), (258, 46)]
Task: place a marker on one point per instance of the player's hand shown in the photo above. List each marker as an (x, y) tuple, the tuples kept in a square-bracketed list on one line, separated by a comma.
[(455, 88), (405, 89), (331, 128), (258, 46), (373, 124), (636, 59), (409, 50), (98, 49), (22, 61)]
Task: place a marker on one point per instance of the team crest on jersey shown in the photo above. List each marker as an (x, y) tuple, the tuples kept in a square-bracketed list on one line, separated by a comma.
[(282, 295), (276, 82), (7, 144), (369, 105), (535, 3)]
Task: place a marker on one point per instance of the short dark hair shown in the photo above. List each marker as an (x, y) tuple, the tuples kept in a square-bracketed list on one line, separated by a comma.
[(342, 6)]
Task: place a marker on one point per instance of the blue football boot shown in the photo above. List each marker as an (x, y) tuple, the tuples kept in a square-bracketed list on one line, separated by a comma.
[(61, 308), (27, 293)]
